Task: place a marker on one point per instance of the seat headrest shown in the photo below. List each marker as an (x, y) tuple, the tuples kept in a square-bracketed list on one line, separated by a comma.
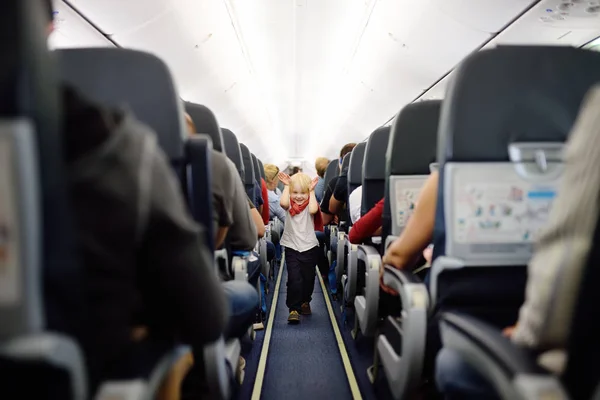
[(346, 163), (357, 157), (256, 167), (262, 169), (513, 94), (377, 144), (139, 80), (232, 150), (206, 123), (248, 165), (413, 139), (333, 169)]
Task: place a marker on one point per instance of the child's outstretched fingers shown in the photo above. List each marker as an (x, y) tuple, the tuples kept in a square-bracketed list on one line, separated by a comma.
[(313, 183), (284, 178)]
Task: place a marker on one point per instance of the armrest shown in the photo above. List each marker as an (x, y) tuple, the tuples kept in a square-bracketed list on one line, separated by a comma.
[(240, 268), (511, 369), (367, 306), (411, 289), (510, 358), (53, 349), (389, 240)]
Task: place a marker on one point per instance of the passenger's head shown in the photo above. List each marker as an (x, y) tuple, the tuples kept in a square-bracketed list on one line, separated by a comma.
[(321, 164), (190, 124), (345, 150), (299, 188), (271, 178), (295, 170)]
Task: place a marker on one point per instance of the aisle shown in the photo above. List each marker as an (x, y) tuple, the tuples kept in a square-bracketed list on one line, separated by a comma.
[(303, 361)]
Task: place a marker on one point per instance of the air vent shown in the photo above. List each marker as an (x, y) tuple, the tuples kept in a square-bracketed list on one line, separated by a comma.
[(573, 13)]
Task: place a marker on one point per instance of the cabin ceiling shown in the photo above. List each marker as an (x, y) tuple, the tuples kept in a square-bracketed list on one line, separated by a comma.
[(296, 79)]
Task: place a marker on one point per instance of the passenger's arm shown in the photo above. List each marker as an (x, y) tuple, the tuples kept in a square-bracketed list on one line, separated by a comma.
[(220, 236), (284, 199), (176, 269), (327, 215), (327, 218), (340, 193), (257, 219), (368, 225), (313, 205), (417, 234)]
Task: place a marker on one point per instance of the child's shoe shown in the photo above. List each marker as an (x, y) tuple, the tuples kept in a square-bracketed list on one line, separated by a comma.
[(305, 309), (294, 317)]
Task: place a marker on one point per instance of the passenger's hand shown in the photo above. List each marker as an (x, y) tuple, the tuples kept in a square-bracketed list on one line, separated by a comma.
[(313, 183), (428, 253), (385, 288), (508, 331), (284, 178)]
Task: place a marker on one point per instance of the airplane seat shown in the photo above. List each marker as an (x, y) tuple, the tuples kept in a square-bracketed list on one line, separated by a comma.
[(114, 76), (355, 167), (354, 180), (411, 150), (332, 171), (206, 123), (521, 107), (342, 253), (248, 178), (262, 243), (373, 187), (37, 360), (233, 151)]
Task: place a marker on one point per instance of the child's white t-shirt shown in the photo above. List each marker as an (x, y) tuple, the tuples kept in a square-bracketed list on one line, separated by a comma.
[(299, 232)]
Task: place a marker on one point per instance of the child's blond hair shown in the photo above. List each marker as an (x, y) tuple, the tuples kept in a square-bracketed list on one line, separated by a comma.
[(302, 180)]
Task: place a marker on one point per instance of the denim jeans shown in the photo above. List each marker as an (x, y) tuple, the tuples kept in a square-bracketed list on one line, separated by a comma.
[(456, 379), (243, 303)]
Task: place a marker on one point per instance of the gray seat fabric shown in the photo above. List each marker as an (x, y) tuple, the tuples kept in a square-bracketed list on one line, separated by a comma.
[(233, 151), (261, 169), (356, 165), (206, 123), (129, 73), (412, 148), (37, 299), (332, 171), (248, 169), (256, 167), (373, 175)]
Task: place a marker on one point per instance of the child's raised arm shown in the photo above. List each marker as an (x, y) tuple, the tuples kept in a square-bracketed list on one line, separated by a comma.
[(284, 199), (313, 205)]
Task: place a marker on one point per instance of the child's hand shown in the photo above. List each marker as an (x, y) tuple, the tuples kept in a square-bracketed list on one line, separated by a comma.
[(313, 183), (284, 178)]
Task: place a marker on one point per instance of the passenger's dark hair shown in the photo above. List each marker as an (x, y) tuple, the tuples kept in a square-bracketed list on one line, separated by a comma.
[(346, 149)]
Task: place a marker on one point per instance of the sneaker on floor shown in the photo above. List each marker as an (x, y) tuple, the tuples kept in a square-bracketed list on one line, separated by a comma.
[(294, 317), (305, 309)]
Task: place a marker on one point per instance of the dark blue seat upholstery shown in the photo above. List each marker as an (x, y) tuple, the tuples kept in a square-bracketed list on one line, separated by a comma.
[(373, 175), (248, 179), (206, 123), (233, 151), (355, 168)]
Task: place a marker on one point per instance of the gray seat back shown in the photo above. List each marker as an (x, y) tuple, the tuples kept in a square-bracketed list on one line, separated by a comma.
[(502, 128), (37, 262), (374, 168), (333, 170), (248, 169), (233, 151), (411, 150), (356, 165), (206, 123)]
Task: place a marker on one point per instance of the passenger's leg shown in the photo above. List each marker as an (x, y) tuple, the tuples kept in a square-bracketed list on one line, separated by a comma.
[(294, 283), (253, 269), (243, 302), (270, 251), (456, 379), (309, 261)]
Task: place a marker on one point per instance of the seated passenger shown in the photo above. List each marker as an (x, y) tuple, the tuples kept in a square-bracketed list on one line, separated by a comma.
[(337, 202), (355, 204), (275, 209), (157, 274), (555, 269), (330, 207), (233, 216), (367, 226), (265, 198), (321, 164)]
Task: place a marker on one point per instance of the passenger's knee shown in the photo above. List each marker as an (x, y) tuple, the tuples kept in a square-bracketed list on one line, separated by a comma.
[(447, 366)]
